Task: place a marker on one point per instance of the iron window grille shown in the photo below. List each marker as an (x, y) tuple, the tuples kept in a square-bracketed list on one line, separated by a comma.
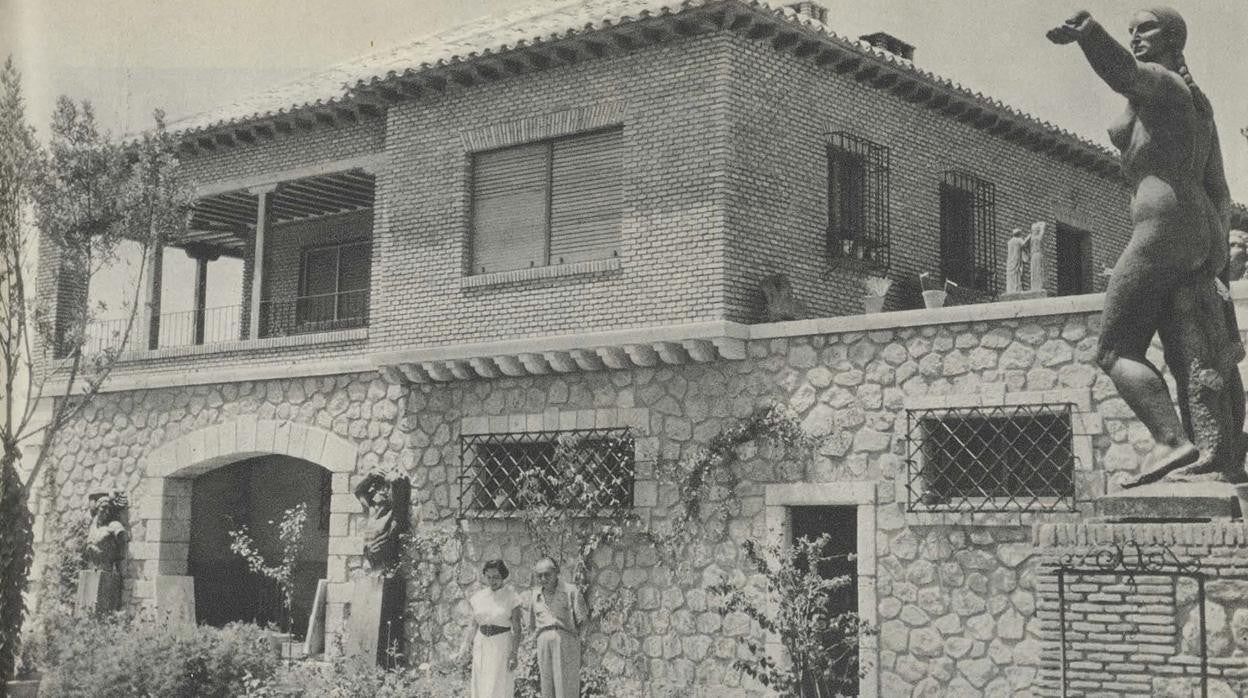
[(968, 229), (993, 459), (859, 224), (585, 470)]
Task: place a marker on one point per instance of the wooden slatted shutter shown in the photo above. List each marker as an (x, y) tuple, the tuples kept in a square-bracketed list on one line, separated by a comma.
[(509, 197), (586, 197), (353, 275)]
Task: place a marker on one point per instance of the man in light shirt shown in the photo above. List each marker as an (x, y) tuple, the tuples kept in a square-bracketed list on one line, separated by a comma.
[(556, 613)]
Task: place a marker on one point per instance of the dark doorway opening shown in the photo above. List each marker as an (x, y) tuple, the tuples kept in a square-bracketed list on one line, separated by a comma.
[(1074, 261), (255, 493), (841, 525)]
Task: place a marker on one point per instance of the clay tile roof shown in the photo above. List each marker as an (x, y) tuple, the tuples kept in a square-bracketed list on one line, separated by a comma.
[(548, 21)]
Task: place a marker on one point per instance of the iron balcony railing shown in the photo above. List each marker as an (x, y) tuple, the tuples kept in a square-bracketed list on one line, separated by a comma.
[(582, 470), (278, 317), (991, 459), (323, 312)]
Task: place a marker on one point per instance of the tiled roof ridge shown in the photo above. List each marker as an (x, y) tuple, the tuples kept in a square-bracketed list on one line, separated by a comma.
[(524, 29)]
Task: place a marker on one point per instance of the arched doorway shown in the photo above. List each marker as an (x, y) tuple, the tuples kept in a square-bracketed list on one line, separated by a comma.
[(254, 494)]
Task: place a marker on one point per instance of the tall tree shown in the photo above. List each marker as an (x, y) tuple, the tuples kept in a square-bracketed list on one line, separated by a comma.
[(72, 202)]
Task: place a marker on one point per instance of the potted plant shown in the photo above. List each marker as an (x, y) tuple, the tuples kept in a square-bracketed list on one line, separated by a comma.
[(876, 287), (935, 290)]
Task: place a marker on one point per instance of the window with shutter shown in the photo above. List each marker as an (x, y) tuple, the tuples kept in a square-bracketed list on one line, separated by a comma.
[(554, 202), (586, 197)]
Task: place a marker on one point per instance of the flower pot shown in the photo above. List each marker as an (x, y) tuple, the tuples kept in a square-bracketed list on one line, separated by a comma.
[(934, 299), (872, 304)]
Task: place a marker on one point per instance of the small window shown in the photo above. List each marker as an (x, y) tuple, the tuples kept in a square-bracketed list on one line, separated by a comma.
[(1012, 458), (553, 202), (1074, 261), (968, 228), (334, 285), (858, 195), (582, 470)]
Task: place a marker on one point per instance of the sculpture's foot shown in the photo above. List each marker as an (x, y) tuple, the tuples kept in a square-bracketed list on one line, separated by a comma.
[(1162, 461)]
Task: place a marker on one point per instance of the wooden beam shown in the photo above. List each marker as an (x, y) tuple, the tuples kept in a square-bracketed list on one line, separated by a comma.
[(784, 40), (761, 30), (370, 162)]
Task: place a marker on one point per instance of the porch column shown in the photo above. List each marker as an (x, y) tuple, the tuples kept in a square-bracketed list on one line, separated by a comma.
[(154, 270), (202, 256), (257, 266)]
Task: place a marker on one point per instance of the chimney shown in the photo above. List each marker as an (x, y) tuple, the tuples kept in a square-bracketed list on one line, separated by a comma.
[(812, 10), (890, 43)]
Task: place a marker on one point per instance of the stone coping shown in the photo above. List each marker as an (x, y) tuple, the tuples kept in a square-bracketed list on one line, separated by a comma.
[(977, 312), (1065, 535), (502, 357)]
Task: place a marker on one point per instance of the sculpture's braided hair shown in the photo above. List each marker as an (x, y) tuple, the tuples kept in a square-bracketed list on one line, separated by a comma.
[(1198, 95)]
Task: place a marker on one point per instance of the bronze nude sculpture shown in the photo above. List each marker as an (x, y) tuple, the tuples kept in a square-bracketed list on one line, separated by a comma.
[(385, 498), (1171, 278)]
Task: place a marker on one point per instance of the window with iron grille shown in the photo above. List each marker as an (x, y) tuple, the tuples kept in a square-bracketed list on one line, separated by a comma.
[(583, 470), (968, 229), (858, 195), (1005, 458), (552, 202)]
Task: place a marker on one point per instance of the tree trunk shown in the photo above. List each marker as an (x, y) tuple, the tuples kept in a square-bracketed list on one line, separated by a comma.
[(16, 553)]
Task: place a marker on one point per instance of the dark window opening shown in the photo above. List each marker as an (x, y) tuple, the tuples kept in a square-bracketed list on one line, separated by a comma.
[(1010, 458), (858, 195), (968, 224), (577, 470)]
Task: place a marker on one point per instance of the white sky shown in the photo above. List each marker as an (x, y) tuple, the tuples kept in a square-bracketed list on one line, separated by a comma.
[(129, 57)]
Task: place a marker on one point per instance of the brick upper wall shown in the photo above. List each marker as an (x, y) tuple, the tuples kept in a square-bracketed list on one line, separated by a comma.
[(672, 99), (780, 109)]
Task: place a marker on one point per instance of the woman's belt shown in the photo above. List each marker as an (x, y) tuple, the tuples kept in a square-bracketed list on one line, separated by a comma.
[(492, 630)]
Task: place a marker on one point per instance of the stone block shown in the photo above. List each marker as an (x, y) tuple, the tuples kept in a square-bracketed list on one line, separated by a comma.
[(175, 599), (376, 622), (98, 593)]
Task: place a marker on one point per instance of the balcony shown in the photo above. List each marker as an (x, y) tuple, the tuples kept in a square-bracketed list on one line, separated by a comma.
[(290, 260), (223, 327)]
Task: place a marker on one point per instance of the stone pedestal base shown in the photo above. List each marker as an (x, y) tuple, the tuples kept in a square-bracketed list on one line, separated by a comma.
[(1144, 608), (1023, 295), (376, 622), (1169, 501), (175, 598), (99, 592)]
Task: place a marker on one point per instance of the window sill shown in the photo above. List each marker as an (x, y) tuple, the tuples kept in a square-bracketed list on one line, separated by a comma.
[(554, 271)]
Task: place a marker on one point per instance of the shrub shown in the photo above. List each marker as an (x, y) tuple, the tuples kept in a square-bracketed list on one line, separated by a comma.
[(356, 677), (125, 655)]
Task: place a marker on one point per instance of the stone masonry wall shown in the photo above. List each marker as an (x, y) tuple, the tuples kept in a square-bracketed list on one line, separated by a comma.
[(956, 594)]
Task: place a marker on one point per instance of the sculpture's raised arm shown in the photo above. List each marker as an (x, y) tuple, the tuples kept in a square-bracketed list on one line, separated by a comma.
[(1112, 61)]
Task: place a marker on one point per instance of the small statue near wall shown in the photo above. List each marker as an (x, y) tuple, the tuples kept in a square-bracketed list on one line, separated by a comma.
[(1017, 257), (779, 303), (1025, 257), (385, 496), (1039, 263), (107, 535)]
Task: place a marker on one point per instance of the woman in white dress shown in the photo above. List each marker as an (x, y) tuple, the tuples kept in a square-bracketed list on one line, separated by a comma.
[(493, 635)]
